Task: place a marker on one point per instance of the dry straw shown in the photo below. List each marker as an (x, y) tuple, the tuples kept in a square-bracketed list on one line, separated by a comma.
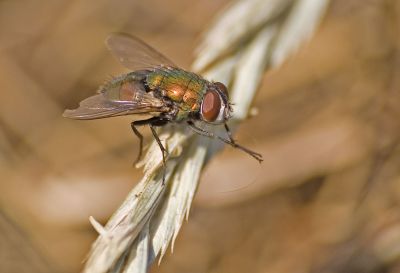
[(249, 37)]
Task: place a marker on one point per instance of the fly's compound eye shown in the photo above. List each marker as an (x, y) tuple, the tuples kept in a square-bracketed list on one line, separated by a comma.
[(211, 106), (221, 87)]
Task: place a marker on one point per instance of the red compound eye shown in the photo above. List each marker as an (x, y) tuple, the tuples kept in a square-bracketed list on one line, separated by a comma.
[(211, 106)]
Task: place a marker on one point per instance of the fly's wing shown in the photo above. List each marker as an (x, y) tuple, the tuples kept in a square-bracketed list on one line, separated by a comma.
[(135, 54), (118, 100)]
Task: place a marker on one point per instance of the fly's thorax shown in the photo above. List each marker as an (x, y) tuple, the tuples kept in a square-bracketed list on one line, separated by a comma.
[(184, 88)]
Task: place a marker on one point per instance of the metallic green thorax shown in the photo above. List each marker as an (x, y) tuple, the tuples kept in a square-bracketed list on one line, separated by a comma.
[(184, 88)]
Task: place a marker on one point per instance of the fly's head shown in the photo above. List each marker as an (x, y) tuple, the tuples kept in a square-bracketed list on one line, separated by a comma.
[(215, 107)]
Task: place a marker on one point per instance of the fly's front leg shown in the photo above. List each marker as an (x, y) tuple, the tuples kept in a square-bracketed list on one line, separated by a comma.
[(229, 141), (233, 143), (228, 131), (199, 130)]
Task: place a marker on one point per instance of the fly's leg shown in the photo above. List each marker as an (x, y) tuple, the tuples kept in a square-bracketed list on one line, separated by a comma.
[(233, 143), (162, 148), (156, 121), (140, 137), (229, 141), (228, 131), (199, 130)]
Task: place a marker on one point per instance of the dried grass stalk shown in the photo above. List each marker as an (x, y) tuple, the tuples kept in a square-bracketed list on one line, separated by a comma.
[(247, 38)]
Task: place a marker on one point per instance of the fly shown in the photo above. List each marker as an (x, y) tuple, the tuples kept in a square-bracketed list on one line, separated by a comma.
[(159, 88)]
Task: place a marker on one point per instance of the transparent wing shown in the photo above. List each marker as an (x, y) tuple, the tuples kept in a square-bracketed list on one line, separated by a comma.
[(135, 54), (125, 100)]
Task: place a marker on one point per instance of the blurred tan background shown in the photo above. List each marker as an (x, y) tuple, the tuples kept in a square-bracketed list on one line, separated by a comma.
[(326, 198)]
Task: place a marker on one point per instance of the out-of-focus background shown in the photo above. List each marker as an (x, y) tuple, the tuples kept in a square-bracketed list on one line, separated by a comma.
[(326, 198)]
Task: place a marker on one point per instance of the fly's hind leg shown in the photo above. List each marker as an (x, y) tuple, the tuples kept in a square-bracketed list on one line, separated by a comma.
[(164, 151), (140, 137), (152, 122)]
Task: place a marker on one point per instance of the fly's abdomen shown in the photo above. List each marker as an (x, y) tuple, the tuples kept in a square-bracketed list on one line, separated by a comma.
[(127, 87)]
